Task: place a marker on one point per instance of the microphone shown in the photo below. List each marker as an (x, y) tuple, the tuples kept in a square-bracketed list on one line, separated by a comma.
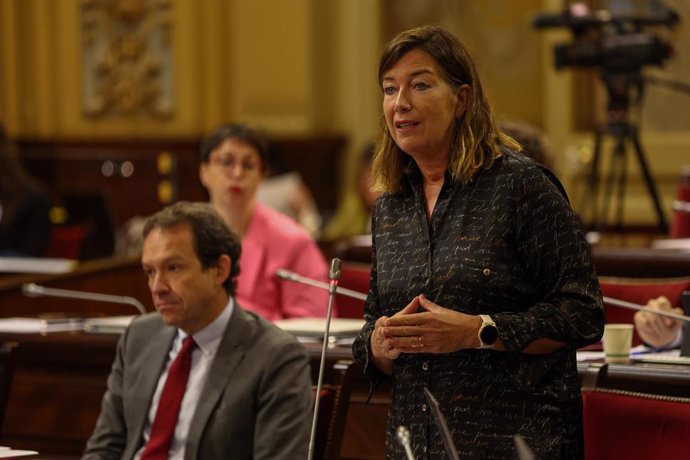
[(404, 437), (634, 306), (334, 276), (295, 278), (34, 290), (523, 450), (442, 426)]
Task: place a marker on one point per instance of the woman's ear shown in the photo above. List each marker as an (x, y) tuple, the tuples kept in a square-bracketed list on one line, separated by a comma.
[(463, 95)]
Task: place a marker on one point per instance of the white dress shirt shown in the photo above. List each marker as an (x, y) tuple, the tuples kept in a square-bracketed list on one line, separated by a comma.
[(207, 341)]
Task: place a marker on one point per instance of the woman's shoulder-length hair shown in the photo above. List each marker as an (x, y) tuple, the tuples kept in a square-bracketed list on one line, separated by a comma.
[(476, 141)]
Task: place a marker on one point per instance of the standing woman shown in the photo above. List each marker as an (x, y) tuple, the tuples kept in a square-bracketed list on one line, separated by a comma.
[(482, 285), (234, 161)]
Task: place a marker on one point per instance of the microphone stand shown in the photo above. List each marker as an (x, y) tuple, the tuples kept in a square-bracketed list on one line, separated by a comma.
[(34, 290), (334, 276), (634, 306)]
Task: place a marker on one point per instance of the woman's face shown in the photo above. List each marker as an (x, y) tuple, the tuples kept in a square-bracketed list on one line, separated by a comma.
[(232, 173), (420, 107)]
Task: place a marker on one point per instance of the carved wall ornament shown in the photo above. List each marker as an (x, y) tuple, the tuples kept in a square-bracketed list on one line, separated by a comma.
[(127, 58)]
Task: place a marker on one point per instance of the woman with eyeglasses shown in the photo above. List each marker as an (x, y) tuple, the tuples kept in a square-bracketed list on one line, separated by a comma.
[(234, 159)]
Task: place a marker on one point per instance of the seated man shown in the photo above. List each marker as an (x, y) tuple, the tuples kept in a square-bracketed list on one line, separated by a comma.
[(656, 330), (201, 378)]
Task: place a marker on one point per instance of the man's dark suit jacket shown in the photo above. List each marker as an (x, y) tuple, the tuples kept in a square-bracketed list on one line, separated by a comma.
[(256, 402)]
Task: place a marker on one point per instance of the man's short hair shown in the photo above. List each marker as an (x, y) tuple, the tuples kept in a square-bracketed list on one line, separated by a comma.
[(212, 238)]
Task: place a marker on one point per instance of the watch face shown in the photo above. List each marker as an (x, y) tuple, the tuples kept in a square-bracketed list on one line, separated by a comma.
[(488, 335)]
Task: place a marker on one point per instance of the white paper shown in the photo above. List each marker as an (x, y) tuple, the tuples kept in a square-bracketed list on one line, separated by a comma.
[(40, 325), (682, 244), (314, 327), (6, 452), (108, 324), (36, 265)]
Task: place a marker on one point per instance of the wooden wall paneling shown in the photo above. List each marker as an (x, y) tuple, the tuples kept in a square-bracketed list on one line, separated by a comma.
[(78, 166), (85, 166)]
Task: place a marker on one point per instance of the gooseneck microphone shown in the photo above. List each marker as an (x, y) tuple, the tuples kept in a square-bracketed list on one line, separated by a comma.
[(34, 290), (634, 306), (442, 426), (287, 275), (334, 277), (403, 435)]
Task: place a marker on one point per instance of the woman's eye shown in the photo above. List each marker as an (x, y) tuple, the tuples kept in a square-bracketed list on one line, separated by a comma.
[(389, 90), (421, 86)]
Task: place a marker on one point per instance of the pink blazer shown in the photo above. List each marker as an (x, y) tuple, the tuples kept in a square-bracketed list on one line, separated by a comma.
[(275, 241)]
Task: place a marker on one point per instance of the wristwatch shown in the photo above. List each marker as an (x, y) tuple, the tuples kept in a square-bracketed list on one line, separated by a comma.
[(488, 332)]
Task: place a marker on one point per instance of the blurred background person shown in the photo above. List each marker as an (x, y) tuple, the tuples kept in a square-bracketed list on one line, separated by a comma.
[(25, 227), (532, 140), (482, 285), (287, 193), (234, 160), (659, 331), (354, 217)]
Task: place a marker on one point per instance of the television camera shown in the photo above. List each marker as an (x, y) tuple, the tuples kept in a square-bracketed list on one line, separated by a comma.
[(617, 44)]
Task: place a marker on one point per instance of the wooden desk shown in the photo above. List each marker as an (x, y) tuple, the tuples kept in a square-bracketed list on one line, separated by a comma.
[(641, 262), (56, 163), (116, 276), (61, 377), (666, 379)]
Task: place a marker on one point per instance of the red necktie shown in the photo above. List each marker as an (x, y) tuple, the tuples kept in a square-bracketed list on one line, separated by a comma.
[(163, 427)]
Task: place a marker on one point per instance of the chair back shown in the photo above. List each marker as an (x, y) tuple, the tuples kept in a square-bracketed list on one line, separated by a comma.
[(353, 276), (6, 371), (333, 405), (632, 425), (66, 241)]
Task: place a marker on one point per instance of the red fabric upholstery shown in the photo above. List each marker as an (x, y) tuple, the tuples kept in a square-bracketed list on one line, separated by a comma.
[(354, 276), (326, 408), (635, 426), (639, 291), (334, 401), (66, 241)]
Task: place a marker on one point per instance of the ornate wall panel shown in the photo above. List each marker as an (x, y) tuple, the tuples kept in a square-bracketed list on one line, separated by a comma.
[(127, 58)]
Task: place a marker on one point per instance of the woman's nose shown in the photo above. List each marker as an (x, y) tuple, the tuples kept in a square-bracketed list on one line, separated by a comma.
[(402, 102)]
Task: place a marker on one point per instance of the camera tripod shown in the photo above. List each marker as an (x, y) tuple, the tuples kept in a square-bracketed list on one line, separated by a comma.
[(619, 126)]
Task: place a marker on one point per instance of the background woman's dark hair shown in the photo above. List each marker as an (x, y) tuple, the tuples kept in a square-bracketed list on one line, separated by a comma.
[(212, 238), (240, 132)]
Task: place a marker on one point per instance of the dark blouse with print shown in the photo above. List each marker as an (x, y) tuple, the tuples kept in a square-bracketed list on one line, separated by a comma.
[(508, 245)]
